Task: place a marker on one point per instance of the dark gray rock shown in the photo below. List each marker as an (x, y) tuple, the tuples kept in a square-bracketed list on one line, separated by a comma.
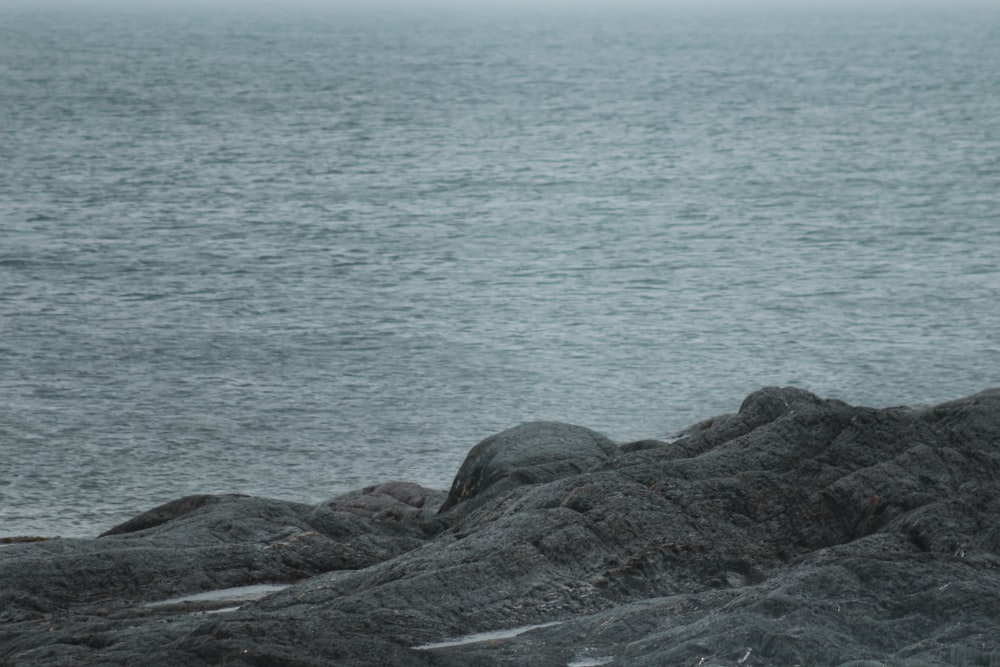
[(168, 512), (406, 505), (795, 531), (200, 543), (531, 453)]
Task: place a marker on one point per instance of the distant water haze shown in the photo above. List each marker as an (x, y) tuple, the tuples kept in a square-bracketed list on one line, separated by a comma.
[(295, 253), (608, 8)]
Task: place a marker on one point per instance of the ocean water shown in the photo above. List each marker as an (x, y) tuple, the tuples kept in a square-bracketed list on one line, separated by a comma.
[(293, 253)]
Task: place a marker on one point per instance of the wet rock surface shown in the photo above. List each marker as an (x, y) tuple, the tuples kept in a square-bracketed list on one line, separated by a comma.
[(795, 531)]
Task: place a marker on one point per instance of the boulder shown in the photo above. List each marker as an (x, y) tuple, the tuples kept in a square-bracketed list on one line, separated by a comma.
[(532, 453)]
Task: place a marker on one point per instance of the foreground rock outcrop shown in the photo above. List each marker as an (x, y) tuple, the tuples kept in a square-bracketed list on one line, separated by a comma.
[(796, 531)]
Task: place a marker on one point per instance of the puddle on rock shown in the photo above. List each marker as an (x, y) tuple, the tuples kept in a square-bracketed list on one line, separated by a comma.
[(590, 662), (486, 636), (222, 595)]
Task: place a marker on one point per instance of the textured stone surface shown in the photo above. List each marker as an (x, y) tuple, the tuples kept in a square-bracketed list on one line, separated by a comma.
[(531, 453), (795, 531)]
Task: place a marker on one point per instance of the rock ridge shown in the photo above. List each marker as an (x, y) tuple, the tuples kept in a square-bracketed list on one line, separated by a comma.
[(797, 530)]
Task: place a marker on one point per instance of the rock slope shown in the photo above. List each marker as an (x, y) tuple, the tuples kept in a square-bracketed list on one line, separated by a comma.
[(797, 531)]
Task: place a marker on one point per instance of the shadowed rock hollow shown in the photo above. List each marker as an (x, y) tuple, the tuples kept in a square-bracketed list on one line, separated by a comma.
[(795, 531)]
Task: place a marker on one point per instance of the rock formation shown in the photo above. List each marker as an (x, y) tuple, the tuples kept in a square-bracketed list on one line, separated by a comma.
[(798, 531)]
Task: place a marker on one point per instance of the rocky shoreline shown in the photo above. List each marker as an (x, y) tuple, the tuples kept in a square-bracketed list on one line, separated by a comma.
[(797, 531)]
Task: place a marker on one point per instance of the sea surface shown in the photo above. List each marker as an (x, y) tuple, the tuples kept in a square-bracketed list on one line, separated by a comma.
[(293, 252)]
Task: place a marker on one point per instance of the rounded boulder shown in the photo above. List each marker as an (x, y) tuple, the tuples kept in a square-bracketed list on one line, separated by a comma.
[(531, 453)]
